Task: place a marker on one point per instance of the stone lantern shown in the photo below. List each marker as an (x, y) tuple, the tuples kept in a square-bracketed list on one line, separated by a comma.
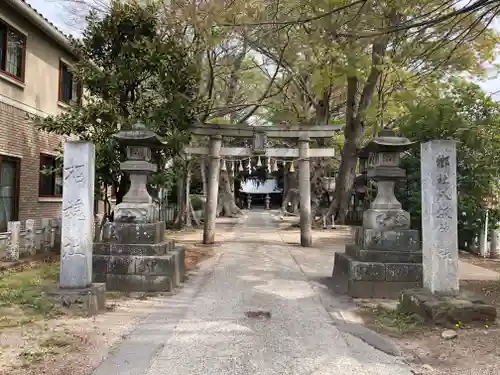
[(137, 205), (134, 255), (385, 211), (386, 257), (259, 143)]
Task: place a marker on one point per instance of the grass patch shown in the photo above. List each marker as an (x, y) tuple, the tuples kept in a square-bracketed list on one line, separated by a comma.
[(396, 319), (55, 342), (116, 295), (22, 297), (32, 356)]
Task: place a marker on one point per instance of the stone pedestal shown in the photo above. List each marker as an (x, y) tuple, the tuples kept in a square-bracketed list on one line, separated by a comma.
[(380, 264), (386, 257), (134, 255), (136, 258), (90, 300), (447, 310)]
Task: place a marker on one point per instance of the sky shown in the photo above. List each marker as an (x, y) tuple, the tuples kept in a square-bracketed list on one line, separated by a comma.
[(53, 11)]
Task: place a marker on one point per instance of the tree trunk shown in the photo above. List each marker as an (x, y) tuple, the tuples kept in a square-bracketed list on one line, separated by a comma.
[(188, 195), (203, 170), (317, 188), (291, 194), (227, 204), (181, 202), (344, 182)]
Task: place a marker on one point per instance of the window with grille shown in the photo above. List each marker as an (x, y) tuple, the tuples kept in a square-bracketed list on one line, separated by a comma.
[(66, 83), (12, 51), (51, 183)]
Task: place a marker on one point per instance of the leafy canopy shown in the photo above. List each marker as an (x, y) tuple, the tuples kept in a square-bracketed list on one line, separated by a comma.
[(464, 113), (131, 70)]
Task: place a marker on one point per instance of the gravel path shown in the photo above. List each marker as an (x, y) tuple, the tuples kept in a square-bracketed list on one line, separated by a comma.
[(209, 327)]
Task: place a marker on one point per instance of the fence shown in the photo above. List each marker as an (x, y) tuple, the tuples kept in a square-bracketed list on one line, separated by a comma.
[(26, 240), (167, 213)]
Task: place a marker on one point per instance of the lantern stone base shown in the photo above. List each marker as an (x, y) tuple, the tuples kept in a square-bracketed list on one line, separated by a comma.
[(135, 258), (136, 212), (463, 307), (381, 264), (384, 219)]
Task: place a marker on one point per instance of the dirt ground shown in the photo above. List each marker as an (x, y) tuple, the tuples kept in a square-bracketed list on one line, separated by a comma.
[(492, 264), (37, 339), (475, 350)]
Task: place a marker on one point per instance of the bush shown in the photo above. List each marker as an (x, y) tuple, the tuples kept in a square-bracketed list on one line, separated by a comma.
[(197, 203)]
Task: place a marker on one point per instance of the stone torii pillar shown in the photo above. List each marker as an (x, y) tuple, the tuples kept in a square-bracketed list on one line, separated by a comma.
[(305, 192), (213, 190)]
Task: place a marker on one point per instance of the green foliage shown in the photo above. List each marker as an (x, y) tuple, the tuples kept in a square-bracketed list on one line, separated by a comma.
[(464, 113), (130, 72), (318, 59), (197, 203), (397, 319)]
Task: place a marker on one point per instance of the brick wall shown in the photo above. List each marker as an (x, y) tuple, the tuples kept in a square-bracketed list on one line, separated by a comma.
[(19, 138)]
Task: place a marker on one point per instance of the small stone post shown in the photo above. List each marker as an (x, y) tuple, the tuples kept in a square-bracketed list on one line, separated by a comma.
[(189, 223), (97, 226), (213, 190), (46, 235), (249, 201), (14, 227), (77, 220), (29, 239), (267, 201), (439, 216), (52, 233), (495, 244), (305, 193)]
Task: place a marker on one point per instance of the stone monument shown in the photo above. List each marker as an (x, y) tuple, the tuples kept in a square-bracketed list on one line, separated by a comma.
[(75, 280), (134, 255), (440, 299), (439, 216), (386, 257)]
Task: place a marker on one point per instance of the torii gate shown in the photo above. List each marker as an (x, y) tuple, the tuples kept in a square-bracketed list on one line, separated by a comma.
[(260, 135)]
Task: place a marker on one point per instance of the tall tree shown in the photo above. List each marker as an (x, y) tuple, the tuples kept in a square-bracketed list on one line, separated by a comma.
[(375, 55), (130, 72), (465, 113)]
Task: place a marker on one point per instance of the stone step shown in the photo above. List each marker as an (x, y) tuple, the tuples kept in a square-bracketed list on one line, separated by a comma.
[(107, 248), (396, 239), (374, 279), (154, 273), (139, 283), (134, 233), (371, 255)]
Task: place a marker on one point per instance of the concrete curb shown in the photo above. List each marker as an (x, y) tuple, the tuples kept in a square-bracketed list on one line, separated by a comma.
[(370, 337)]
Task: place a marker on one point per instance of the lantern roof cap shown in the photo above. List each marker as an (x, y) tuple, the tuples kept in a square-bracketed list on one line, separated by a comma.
[(387, 141), (139, 135)]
